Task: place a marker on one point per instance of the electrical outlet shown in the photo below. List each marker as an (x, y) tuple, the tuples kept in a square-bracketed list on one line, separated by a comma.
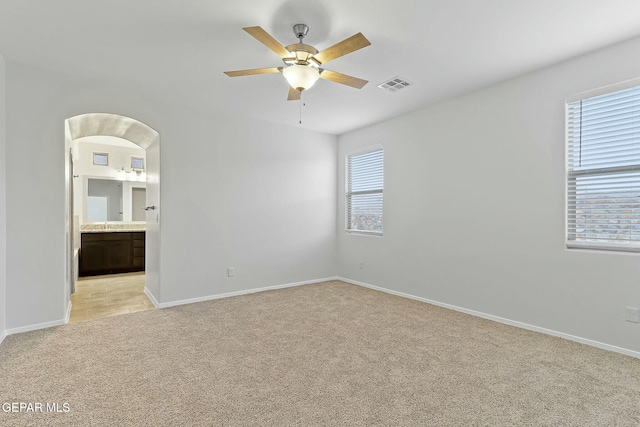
[(633, 315), (231, 271), (361, 265)]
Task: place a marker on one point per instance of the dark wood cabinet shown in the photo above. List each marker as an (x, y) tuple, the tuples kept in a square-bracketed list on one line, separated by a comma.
[(93, 257), (138, 250), (111, 252)]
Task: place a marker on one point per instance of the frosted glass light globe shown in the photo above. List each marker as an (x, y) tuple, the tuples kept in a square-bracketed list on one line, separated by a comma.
[(301, 77)]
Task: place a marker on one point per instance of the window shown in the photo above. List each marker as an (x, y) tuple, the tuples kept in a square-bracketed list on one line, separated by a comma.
[(603, 171), (101, 159), (137, 162), (364, 192)]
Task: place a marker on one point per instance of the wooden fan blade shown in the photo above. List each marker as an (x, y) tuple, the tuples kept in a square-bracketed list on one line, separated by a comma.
[(343, 79), (253, 71), (353, 43), (294, 94), (265, 38)]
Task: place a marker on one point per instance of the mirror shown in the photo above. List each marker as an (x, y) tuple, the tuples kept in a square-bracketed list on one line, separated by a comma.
[(115, 201)]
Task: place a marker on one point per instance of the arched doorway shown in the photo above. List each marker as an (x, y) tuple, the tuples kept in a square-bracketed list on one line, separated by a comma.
[(113, 125)]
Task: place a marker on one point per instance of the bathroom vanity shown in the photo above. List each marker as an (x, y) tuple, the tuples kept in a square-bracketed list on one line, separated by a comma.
[(108, 251)]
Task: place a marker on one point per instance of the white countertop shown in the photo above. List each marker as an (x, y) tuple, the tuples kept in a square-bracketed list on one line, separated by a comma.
[(111, 228)]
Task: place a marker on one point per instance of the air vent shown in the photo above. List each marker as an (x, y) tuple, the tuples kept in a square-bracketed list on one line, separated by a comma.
[(395, 84)]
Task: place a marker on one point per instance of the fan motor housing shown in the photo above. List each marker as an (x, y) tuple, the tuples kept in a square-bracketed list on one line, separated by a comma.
[(302, 53)]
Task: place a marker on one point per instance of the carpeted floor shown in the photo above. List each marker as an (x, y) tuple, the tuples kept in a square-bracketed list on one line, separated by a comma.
[(322, 354)]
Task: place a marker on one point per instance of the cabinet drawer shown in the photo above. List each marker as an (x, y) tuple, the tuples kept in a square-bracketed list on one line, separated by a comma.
[(138, 252), (138, 243), (117, 236), (92, 237), (138, 235)]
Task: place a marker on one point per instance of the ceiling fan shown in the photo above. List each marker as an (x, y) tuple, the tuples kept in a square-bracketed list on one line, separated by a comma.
[(303, 62)]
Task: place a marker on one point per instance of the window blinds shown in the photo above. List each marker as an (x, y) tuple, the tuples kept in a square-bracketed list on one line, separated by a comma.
[(603, 171), (364, 192)]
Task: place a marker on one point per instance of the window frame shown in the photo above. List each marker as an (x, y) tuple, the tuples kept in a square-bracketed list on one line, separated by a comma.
[(137, 158), (98, 153), (572, 244), (356, 152)]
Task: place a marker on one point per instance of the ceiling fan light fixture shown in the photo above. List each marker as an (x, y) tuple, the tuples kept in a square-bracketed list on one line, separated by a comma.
[(301, 55), (303, 62), (301, 77)]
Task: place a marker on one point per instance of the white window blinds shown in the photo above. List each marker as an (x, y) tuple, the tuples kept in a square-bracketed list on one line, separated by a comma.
[(364, 192), (603, 171)]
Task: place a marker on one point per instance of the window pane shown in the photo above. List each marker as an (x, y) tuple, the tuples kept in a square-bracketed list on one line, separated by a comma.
[(365, 212), (101, 159), (365, 192), (603, 170), (137, 163), (607, 208)]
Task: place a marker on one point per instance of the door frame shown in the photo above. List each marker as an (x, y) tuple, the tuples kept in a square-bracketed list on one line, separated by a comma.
[(137, 132)]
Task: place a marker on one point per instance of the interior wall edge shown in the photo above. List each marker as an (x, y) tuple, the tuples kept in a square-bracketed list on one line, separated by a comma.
[(35, 327), (3, 200), (239, 293), (67, 316), (152, 297)]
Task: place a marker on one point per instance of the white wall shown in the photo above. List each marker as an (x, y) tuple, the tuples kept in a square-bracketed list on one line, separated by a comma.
[(248, 194), (255, 196), (3, 206), (474, 211), (119, 157)]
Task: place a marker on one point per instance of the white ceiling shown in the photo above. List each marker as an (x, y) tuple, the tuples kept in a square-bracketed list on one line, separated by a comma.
[(181, 48), (108, 140)]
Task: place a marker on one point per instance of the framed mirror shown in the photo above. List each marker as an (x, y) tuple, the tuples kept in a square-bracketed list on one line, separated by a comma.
[(109, 200)]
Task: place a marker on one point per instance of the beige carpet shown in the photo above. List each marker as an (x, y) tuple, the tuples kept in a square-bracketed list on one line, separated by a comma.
[(323, 354)]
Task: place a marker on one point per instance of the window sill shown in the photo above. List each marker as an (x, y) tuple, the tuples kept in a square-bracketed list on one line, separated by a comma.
[(603, 246), (363, 233)]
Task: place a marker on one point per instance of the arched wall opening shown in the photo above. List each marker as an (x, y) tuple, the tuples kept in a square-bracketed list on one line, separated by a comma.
[(113, 125)]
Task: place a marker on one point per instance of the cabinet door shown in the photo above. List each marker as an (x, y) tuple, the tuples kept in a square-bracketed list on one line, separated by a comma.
[(93, 256), (119, 254)]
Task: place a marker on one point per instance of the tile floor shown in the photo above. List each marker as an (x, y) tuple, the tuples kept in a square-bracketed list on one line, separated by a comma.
[(97, 297)]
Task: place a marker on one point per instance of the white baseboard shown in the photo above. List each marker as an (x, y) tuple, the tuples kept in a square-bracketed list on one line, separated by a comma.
[(498, 319), (237, 293), (68, 315), (151, 297), (36, 327), (3, 335), (165, 304)]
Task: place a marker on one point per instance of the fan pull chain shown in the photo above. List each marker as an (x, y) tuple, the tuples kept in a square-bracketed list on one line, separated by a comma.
[(302, 104)]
